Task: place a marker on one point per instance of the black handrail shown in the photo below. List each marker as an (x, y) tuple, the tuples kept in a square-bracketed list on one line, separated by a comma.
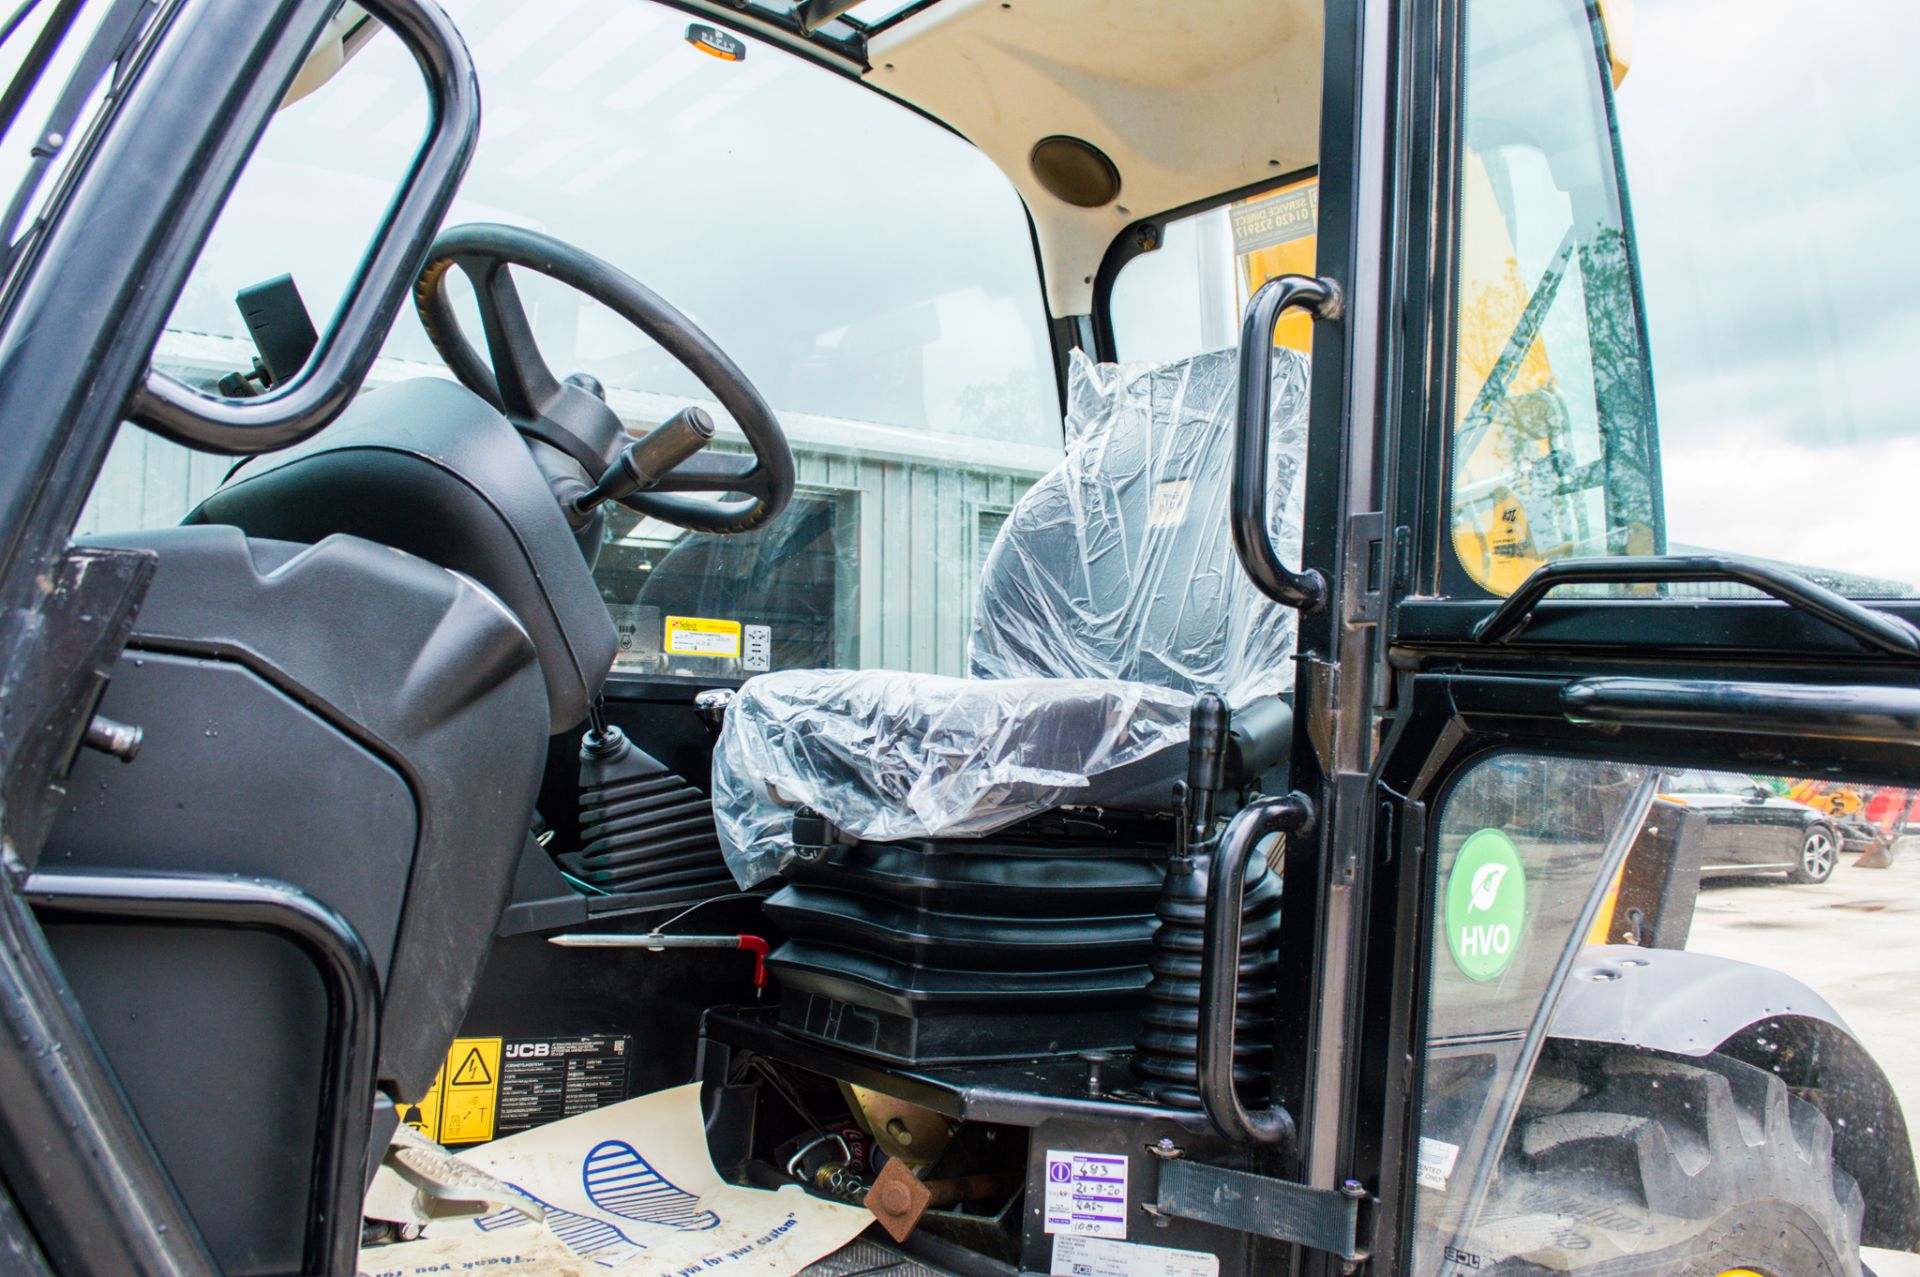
[(1220, 967), (345, 1118), (1888, 715), (1876, 630), (332, 375), (1251, 540)]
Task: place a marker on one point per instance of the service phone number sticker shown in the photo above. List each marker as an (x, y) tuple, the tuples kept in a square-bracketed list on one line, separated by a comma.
[(702, 636), (1086, 1194)]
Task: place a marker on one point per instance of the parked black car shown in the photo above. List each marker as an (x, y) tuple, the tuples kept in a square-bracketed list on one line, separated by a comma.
[(1750, 829)]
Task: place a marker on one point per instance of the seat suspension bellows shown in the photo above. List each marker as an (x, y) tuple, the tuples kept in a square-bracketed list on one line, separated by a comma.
[(1166, 1058)]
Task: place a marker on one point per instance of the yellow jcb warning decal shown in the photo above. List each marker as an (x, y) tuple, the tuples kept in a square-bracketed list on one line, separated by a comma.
[(463, 1110), (702, 636)]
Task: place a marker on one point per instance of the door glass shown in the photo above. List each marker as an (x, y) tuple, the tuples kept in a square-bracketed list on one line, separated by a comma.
[(1768, 237), (873, 274), (1653, 1048), (1553, 438), (1524, 848)]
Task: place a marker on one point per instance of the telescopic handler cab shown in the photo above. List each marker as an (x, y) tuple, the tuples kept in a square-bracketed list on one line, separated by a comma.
[(844, 552)]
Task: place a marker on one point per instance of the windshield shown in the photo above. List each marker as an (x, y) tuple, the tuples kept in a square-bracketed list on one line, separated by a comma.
[(872, 273), (856, 260)]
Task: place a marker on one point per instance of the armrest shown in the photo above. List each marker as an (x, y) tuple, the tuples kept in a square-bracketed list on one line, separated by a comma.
[(1259, 738)]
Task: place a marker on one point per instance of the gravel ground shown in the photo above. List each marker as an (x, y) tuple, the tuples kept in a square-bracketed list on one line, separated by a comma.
[(1855, 940)]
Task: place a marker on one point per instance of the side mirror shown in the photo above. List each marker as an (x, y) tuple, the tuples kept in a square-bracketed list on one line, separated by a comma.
[(1251, 541), (1761, 793)]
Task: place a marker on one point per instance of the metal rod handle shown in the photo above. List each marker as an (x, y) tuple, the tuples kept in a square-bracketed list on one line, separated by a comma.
[(1876, 630), (1321, 297), (332, 374), (1220, 968)]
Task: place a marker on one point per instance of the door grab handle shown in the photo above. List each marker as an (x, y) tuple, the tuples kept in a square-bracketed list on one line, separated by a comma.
[(1220, 967), (332, 374), (1888, 715), (1321, 297), (1877, 630)]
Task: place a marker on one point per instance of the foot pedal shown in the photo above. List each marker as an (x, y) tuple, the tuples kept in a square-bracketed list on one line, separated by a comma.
[(420, 1182)]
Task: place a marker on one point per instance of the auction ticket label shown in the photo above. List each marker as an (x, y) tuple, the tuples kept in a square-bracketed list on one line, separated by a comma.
[(1086, 1194)]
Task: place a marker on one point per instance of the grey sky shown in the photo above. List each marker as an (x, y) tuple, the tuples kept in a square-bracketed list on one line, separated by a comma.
[(1775, 182)]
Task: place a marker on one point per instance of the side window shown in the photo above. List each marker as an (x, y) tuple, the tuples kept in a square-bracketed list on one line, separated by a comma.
[(1553, 436), (1186, 295), (291, 236)]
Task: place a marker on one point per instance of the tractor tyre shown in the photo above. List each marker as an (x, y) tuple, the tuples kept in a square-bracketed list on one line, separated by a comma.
[(1628, 1164)]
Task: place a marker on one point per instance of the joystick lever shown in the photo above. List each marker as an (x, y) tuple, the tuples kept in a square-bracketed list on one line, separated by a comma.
[(647, 460)]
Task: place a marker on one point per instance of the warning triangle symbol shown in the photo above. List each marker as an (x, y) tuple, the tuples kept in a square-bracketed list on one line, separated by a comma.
[(472, 1070)]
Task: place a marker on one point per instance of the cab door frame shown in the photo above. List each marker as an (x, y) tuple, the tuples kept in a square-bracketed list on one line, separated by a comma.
[(1736, 684), (84, 293)]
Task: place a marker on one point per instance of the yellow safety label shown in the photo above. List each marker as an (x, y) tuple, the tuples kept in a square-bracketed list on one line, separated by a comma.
[(424, 1115), (464, 1101), (702, 636)]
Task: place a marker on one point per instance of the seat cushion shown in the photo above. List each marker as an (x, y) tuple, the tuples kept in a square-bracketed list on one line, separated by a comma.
[(1111, 598), (887, 755)]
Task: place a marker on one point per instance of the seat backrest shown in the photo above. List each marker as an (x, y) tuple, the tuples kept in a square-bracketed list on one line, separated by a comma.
[(429, 467), (1119, 563)]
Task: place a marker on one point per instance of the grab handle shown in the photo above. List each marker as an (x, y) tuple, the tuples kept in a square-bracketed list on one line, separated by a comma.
[(1220, 968), (1303, 590), (1877, 630), (332, 375)]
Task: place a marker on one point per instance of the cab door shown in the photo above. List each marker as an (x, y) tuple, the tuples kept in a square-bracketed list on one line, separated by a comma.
[(1569, 1055)]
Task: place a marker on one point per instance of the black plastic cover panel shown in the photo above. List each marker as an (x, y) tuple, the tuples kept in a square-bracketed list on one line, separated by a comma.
[(429, 467), (348, 719)]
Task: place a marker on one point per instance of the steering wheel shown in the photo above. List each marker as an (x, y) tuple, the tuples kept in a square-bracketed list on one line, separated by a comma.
[(571, 415)]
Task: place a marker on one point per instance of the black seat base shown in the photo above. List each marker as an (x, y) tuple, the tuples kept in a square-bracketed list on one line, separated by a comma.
[(1030, 942)]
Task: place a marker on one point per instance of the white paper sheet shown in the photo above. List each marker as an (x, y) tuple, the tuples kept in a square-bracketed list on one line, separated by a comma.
[(628, 1187)]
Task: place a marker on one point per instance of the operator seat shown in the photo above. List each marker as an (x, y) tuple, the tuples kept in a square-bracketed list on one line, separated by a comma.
[(1110, 599), (979, 858)]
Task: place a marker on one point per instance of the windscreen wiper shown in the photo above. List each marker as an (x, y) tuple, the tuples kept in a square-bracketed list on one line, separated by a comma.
[(1877, 630)]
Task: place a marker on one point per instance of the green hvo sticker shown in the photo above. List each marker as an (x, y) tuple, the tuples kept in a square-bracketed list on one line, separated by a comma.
[(1486, 905)]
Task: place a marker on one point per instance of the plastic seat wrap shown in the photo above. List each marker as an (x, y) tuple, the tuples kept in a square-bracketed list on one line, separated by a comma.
[(1120, 563), (1111, 597)]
